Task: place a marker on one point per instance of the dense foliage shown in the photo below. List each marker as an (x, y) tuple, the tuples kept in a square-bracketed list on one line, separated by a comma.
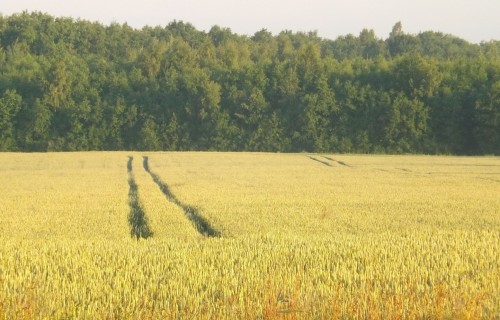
[(75, 85)]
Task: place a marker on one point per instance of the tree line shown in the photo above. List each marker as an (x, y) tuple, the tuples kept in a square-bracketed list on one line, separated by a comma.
[(70, 84)]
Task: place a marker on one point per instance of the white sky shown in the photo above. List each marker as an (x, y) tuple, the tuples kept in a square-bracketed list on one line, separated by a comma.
[(474, 21)]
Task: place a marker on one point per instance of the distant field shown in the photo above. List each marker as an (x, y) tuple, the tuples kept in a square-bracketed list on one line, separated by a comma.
[(120, 235)]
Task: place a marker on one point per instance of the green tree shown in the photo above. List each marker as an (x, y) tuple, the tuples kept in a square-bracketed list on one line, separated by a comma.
[(400, 43), (10, 104), (370, 46), (85, 86), (405, 125), (487, 116), (149, 140), (416, 76)]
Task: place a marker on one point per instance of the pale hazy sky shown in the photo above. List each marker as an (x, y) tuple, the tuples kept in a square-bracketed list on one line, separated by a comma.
[(474, 21)]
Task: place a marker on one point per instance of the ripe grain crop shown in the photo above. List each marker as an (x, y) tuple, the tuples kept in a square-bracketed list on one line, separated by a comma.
[(363, 237), (64, 195)]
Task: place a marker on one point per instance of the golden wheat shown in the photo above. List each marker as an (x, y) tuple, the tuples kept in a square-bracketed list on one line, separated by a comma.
[(302, 237)]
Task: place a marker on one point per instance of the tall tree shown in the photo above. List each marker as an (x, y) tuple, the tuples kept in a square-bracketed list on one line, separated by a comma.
[(10, 104), (77, 85)]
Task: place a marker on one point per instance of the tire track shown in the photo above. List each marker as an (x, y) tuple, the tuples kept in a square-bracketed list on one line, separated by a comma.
[(329, 164), (320, 161), (201, 224), (489, 179), (337, 161), (139, 224)]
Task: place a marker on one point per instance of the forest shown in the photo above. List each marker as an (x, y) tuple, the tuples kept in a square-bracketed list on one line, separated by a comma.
[(74, 85)]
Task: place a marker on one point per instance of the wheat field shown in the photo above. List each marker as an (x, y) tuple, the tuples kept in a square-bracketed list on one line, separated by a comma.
[(115, 235)]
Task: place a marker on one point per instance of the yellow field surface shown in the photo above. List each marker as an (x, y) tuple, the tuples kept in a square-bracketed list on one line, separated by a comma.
[(248, 236), (294, 194), (65, 195)]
